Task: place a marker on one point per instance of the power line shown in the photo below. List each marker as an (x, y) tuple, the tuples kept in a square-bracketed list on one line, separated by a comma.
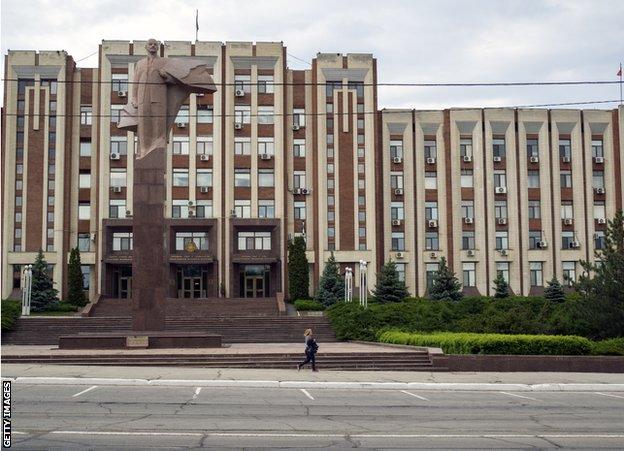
[(299, 59), (88, 56)]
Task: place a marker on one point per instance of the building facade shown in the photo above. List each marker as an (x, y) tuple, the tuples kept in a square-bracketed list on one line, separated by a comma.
[(277, 152)]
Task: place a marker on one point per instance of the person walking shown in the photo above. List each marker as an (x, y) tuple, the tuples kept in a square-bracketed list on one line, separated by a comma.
[(310, 350)]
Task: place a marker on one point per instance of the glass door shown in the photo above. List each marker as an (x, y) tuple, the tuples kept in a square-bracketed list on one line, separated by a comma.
[(125, 287)]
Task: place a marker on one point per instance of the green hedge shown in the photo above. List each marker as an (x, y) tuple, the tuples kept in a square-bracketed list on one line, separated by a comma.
[(308, 305), (614, 346), (470, 343), (11, 310)]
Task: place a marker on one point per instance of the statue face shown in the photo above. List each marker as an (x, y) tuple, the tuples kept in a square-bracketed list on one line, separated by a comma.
[(152, 46)]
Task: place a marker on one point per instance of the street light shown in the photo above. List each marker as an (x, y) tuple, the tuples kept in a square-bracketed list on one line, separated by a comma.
[(363, 284), (348, 284), (26, 290)]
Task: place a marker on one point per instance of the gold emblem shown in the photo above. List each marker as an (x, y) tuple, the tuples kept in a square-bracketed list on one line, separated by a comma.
[(190, 246)]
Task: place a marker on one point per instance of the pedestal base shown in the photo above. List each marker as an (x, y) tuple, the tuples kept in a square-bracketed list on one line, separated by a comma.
[(140, 340)]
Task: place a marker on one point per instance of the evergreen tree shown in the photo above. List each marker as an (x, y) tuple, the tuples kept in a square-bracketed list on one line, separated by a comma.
[(602, 284), (389, 288), (501, 287), (554, 291), (331, 285), (43, 294), (298, 269), (75, 292), (445, 285)]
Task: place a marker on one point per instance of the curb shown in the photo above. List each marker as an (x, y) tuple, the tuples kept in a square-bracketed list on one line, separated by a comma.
[(426, 386)]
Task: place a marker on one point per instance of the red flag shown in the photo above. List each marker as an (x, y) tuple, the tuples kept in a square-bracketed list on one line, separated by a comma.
[(619, 74)]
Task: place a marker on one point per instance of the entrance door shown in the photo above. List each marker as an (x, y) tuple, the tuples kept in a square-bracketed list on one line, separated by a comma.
[(254, 281), (254, 286), (191, 287), (125, 287)]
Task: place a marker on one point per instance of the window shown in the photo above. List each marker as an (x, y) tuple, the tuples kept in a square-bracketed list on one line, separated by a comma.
[(500, 209), (431, 211), (331, 215), (18, 233), (535, 236), (242, 83), (299, 147), (535, 269), (265, 84), (204, 145), (199, 238), (360, 168), (569, 272), (204, 114), (84, 211), (430, 149), (597, 149), (400, 268), (299, 117), (180, 177), (266, 178), (120, 83), (117, 208), (398, 241), (467, 178), (118, 177), (566, 179), (468, 240), (361, 201), (465, 147), (533, 179), (119, 145), (502, 268), (532, 148), (266, 146), (598, 179), (85, 148), (86, 115), (599, 239), (567, 210), (248, 241), (468, 269), (242, 177), (565, 149), (362, 232), (330, 152), (265, 115), (502, 240), (50, 216), (330, 184), (18, 216), (180, 145), (432, 242), (567, 238), (84, 242), (431, 269), (299, 179), (467, 208), (300, 210), (203, 209), (534, 209), (242, 114), (396, 180), (242, 146), (115, 113), (84, 180), (179, 208), (396, 148), (431, 180), (330, 201), (498, 148), (330, 168), (361, 152), (331, 86), (396, 211), (242, 208), (122, 241), (599, 210), (18, 185), (204, 177), (500, 179)]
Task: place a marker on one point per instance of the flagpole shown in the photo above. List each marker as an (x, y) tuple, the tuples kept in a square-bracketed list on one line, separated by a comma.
[(620, 84), (196, 24)]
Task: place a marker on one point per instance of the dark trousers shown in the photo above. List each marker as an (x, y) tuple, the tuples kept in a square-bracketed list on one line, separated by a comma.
[(310, 357)]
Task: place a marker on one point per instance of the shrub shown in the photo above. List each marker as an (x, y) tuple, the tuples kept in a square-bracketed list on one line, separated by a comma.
[(614, 346), (298, 269), (308, 305), (75, 290), (469, 343), (11, 310)]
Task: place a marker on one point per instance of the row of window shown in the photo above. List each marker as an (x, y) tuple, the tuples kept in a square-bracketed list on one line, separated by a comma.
[(122, 241)]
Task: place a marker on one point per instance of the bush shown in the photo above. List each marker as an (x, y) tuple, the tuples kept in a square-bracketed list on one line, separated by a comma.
[(614, 346), (308, 305), (469, 343), (11, 310)]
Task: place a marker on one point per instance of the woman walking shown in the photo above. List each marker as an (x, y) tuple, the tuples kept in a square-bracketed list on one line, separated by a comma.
[(310, 350)]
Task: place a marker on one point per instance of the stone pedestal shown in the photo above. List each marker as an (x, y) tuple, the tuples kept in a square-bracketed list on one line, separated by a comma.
[(149, 265)]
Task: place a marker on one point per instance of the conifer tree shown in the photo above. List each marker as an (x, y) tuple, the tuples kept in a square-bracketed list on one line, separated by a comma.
[(75, 292), (389, 287), (445, 285), (554, 291), (43, 294), (501, 287), (331, 285), (298, 270)]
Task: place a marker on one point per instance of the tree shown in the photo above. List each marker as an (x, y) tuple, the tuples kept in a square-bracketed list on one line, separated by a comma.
[(602, 284), (331, 285), (501, 287), (43, 294), (554, 291), (389, 287), (298, 270), (445, 285), (75, 292)]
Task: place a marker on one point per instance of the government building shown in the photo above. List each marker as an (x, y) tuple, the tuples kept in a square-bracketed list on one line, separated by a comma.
[(275, 153)]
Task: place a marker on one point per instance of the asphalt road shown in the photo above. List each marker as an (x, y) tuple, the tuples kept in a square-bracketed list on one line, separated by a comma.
[(152, 417)]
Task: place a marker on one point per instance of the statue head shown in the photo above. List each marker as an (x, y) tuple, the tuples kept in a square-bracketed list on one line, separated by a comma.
[(152, 46)]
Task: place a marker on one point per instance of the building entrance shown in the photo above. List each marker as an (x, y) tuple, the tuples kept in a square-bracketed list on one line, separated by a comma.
[(255, 281), (192, 281), (122, 282)]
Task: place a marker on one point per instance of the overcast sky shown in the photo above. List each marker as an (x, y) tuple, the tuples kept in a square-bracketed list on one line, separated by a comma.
[(413, 41)]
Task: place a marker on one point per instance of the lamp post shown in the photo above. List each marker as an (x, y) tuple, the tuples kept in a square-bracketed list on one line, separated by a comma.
[(363, 284), (348, 284), (26, 290)]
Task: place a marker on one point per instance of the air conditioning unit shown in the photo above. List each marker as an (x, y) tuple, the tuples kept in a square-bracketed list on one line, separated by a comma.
[(92, 236), (542, 244), (396, 222), (574, 245), (432, 223), (122, 93), (181, 124), (433, 255), (599, 160), (497, 159), (601, 221), (468, 220), (501, 221), (116, 189), (430, 160), (566, 160), (239, 93), (190, 203), (128, 214), (397, 160), (191, 214), (296, 127), (599, 190), (467, 158), (568, 221), (204, 157), (398, 191), (500, 190), (400, 255), (114, 156), (200, 94), (238, 125), (265, 156), (534, 159), (470, 253), (304, 190), (503, 252), (203, 189)]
